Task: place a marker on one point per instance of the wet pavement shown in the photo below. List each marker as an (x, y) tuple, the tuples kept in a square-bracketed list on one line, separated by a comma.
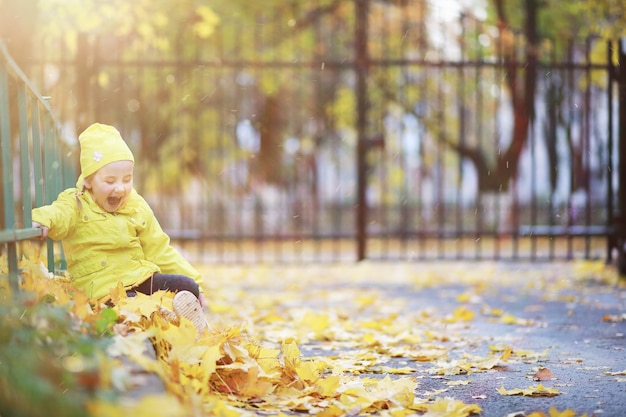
[(582, 335), (573, 321)]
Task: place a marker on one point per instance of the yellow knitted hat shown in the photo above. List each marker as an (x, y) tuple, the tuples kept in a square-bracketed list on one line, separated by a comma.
[(100, 145)]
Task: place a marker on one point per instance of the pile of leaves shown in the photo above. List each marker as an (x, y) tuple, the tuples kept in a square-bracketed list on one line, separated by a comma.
[(348, 351), (67, 354), (226, 372)]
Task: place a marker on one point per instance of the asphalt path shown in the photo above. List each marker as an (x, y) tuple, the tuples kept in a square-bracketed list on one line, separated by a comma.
[(582, 332), (579, 328)]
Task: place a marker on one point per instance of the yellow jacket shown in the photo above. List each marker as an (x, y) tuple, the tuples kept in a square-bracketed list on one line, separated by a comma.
[(102, 248)]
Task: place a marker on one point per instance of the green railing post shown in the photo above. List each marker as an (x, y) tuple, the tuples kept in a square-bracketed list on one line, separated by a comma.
[(37, 158), (50, 178), (43, 157), (8, 218), (27, 201)]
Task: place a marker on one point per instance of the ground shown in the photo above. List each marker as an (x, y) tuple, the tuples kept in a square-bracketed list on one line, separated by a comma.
[(469, 338), (439, 321)]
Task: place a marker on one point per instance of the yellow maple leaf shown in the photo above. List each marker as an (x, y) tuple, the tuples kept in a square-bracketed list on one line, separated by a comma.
[(117, 293), (487, 363), (182, 336), (308, 371), (458, 383), (406, 370), (506, 354), (494, 312), (398, 392), (464, 297), (145, 305), (246, 382), (510, 319), (291, 353), (268, 361), (455, 367), (81, 307), (222, 409), (235, 352), (537, 391), (554, 412), (448, 407), (616, 373), (461, 313), (188, 353), (328, 386), (370, 339), (316, 322), (428, 355), (365, 300), (565, 413), (268, 318), (332, 411)]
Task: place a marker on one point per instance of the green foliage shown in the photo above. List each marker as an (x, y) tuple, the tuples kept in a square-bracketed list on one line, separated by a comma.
[(48, 363), (342, 108), (561, 22), (148, 23), (107, 318), (182, 113)]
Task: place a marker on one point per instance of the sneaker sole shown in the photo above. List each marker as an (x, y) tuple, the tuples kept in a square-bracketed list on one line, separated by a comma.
[(187, 305)]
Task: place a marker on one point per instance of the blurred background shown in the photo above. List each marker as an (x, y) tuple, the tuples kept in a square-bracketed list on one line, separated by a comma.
[(333, 130)]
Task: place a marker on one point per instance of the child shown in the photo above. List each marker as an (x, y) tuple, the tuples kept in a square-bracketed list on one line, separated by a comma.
[(110, 234)]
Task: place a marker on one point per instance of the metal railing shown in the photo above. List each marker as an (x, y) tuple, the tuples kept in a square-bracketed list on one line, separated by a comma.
[(389, 139), (35, 162)]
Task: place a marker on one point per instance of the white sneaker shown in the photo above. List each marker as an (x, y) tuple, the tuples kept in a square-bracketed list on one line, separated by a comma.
[(187, 305)]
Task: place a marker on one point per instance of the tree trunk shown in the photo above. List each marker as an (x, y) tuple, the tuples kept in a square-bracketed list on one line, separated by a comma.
[(498, 178), (270, 152)]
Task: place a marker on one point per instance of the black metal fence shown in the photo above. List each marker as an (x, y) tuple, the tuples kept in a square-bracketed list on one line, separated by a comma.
[(361, 131)]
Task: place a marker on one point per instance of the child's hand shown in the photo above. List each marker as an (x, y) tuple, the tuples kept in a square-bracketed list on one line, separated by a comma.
[(44, 231), (202, 300)]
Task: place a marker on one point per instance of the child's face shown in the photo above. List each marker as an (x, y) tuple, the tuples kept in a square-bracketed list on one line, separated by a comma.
[(111, 185)]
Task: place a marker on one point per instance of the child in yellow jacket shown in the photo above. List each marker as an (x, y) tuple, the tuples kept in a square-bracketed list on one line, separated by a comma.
[(111, 235)]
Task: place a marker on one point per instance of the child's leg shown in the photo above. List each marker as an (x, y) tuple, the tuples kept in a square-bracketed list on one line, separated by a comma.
[(185, 304), (168, 282)]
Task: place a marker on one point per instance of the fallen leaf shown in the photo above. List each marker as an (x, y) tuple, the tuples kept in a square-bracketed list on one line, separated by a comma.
[(556, 413), (616, 373), (448, 407), (538, 391), (460, 314), (457, 383), (338, 352), (510, 319), (543, 374), (614, 318)]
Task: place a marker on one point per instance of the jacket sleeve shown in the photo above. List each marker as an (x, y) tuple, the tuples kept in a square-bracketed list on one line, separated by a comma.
[(158, 249), (60, 216)]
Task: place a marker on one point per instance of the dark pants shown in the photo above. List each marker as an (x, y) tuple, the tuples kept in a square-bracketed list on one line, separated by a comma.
[(167, 282)]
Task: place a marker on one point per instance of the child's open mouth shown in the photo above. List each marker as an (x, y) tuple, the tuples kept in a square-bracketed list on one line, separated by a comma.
[(113, 201)]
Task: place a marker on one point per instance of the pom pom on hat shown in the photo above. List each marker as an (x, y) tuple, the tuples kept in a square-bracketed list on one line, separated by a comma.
[(99, 146)]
